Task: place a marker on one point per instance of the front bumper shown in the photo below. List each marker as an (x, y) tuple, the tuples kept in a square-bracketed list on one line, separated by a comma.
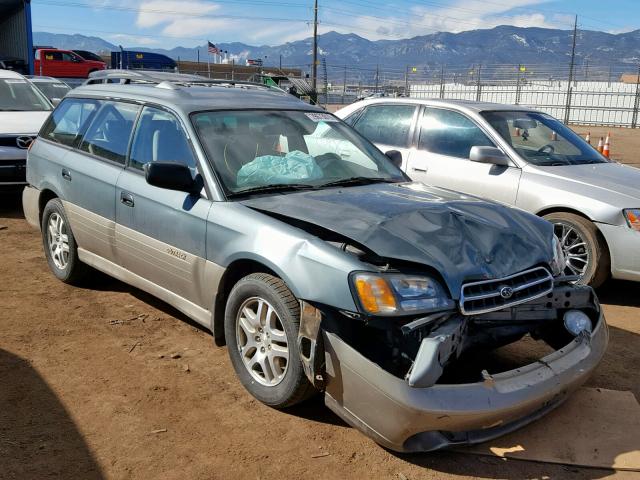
[(13, 166), (624, 247), (408, 419)]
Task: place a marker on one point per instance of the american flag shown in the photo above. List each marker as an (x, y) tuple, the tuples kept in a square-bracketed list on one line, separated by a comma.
[(212, 48)]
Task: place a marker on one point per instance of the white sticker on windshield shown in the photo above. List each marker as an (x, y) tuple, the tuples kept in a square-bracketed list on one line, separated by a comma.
[(321, 117)]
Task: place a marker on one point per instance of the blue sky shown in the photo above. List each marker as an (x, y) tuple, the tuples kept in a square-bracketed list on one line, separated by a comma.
[(170, 23)]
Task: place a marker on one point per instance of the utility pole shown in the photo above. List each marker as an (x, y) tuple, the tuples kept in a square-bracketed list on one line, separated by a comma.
[(571, 65), (518, 84), (479, 84), (344, 84), (314, 66), (280, 63), (586, 69), (636, 104), (406, 81), (442, 81), (377, 76)]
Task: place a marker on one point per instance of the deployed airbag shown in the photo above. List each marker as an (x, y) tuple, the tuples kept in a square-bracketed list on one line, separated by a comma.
[(269, 169)]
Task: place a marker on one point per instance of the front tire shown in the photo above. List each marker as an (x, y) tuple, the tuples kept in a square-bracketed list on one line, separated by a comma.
[(60, 247), (262, 319), (584, 247)]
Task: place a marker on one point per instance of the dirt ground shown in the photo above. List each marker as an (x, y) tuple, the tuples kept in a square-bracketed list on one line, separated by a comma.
[(89, 389), (625, 142)]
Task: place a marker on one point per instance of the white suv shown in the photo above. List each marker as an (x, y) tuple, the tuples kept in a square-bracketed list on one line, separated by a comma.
[(23, 110)]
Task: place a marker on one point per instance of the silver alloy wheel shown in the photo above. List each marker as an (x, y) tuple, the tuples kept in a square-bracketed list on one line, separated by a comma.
[(262, 341), (574, 247), (58, 240)]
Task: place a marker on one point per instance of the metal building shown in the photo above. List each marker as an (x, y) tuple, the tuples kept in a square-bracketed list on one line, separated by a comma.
[(16, 36)]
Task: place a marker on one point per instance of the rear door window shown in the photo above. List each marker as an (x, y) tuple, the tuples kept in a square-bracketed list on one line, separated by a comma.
[(67, 122), (450, 133), (109, 133), (386, 124)]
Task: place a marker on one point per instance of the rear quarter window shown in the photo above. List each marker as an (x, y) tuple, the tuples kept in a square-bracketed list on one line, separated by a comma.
[(67, 122)]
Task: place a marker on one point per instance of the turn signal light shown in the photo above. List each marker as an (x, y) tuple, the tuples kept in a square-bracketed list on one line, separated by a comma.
[(375, 294), (633, 218)]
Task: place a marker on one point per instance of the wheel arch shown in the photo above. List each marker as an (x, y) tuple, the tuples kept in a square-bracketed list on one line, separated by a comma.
[(236, 270), (46, 195), (561, 209)]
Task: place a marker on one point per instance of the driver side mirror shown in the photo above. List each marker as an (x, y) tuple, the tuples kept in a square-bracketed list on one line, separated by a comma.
[(491, 155), (170, 175), (395, 156)]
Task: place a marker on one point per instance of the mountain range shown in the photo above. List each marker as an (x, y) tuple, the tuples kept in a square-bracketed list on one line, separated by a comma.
[(499, 45)]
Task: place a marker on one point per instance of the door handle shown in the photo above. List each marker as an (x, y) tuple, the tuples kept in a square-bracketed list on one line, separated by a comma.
[(126, 199), (66, 174), (416, 169)]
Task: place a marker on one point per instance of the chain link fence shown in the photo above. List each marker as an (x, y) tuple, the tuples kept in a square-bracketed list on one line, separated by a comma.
[(597, 95), (607, 95)]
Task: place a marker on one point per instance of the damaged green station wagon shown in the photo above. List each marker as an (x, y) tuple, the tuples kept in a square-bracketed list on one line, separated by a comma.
[(313, 257)]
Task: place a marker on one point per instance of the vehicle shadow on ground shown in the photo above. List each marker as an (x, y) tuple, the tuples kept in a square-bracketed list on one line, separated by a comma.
[(98, 281), (11, 205), (38, 438), (477, 466), (620, 292)]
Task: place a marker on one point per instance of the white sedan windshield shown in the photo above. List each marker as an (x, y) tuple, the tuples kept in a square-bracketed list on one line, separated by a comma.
[(18, 95), (541, 139)]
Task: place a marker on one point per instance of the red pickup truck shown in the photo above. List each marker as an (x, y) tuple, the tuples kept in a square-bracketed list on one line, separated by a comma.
[(52, 62)]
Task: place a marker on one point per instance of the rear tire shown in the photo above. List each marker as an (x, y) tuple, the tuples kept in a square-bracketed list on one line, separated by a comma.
[(261, 324), (583, 241), (60, 245)]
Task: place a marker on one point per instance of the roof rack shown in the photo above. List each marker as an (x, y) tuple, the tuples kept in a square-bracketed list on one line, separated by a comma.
[(152, 77)]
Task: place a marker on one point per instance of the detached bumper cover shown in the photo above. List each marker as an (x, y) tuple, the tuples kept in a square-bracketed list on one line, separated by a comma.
[(409, 419)]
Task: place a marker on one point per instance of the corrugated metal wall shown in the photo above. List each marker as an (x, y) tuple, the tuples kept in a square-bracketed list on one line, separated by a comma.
[(14, 32)]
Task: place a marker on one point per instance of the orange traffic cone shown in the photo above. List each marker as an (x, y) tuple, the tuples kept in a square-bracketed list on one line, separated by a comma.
[(554, 137), (606, 150), (600, 145), (588, 138)]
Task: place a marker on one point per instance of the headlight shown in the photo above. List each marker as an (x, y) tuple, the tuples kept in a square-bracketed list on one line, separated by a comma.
[(397, 294), (559, 261), (633, 218)]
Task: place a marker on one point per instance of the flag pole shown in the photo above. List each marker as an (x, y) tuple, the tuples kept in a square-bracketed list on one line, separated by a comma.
[(208, 61)]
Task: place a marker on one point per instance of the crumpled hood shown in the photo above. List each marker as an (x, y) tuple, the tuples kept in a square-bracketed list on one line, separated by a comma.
[(462, 237)]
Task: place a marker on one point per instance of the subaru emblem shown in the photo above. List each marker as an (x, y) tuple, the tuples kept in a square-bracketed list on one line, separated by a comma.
[(506, 292)]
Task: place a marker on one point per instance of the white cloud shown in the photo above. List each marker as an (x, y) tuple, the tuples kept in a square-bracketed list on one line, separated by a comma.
[(196, 17), (123, 38), (192, 18), (179, 17)]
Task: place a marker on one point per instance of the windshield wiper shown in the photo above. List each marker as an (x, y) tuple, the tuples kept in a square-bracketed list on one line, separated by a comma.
[(274, 187), (357, 181)]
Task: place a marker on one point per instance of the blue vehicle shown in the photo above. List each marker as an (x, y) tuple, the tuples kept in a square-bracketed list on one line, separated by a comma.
[(129, 59)]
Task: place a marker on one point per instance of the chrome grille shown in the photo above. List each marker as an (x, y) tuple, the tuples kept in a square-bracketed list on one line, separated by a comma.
[(491, 295), (12, 140)]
